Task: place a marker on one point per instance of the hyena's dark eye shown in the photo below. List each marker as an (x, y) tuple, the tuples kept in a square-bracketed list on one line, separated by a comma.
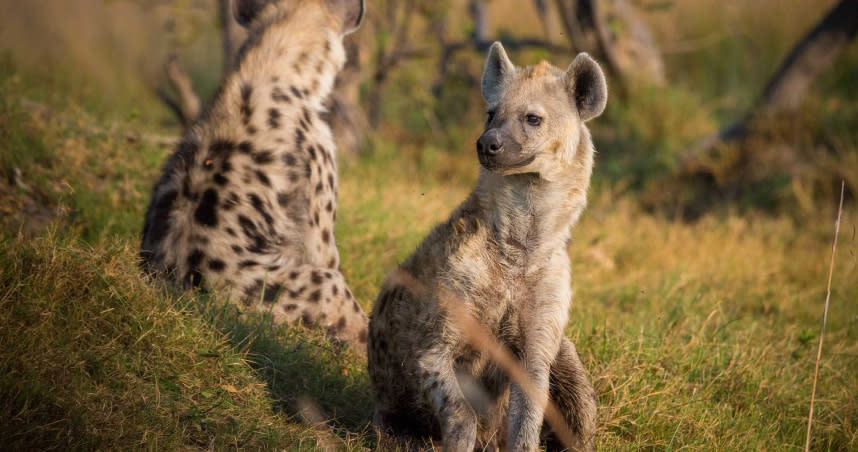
[(490, 115), (533, 120)]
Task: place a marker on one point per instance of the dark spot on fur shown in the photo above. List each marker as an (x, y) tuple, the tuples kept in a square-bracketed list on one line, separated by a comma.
[(316, 277), (259, 242), (295, 92), (362, 336), (289, 159), (326, 236), (216, 265), (331, 181), (247, 263), (274, 118), (283, 199), (251, 293), (312, 151), (307, 318), (306, 115), (290, 307), (220, 148), (263, 157), (231, 201), (329, 206), (355, 306), (332, 263), (319, 188), (263, 178), (220, 179), (342, 322), (206, 213), (272, 292), (293, 177), (293, 275), (315, 296), (316, 217), (277, 95), (245, 147), (246, 109), (260, 207), (251, 130), (300, 137), (237, 249), (335, 290)]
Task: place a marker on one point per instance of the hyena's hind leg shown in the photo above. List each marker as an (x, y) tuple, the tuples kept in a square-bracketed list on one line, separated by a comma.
[(575, 398), (312, 296)]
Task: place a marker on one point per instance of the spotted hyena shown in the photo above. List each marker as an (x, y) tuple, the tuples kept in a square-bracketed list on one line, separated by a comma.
[(502, 258), (247, 202)]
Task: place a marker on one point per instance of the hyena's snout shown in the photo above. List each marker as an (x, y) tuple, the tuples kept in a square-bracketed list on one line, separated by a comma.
[(490, 143), (497, 152)]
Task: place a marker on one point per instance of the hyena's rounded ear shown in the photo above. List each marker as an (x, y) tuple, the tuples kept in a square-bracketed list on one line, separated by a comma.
[(245, 11), (587, 86), (350, 12), (498, 70)]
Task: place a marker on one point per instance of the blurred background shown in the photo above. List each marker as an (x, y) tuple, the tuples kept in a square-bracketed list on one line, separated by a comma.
[(699, 267), (679, 72)]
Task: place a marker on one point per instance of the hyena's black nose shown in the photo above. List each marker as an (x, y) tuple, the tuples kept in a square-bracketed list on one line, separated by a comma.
[(490, 143)]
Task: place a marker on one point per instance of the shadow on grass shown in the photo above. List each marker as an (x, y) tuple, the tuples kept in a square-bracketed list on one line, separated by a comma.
[(301, 367)]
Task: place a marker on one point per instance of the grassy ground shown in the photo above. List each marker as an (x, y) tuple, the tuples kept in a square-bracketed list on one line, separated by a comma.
[(698, 336)]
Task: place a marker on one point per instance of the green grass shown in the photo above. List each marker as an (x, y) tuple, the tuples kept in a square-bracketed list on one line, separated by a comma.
[(697, 336)]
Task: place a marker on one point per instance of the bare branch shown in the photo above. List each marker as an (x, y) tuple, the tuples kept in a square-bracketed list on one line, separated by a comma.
[(188, 102)]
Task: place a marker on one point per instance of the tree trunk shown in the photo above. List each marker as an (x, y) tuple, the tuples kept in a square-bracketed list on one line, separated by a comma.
[(232, 35), (815, 53), (785, 91)]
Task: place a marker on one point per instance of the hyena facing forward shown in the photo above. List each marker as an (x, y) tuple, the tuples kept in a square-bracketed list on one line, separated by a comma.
[(247, 202), (502, 258)]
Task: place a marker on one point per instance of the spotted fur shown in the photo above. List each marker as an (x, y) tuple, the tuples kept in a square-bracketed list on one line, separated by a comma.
[(501, 257), (246, 204)]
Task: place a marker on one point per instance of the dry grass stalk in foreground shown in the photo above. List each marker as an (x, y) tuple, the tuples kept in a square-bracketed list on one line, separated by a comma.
[(482, 339), (824, 317)]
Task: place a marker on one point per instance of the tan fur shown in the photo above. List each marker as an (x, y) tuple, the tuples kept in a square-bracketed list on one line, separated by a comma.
[(502, 255), (247, 203)]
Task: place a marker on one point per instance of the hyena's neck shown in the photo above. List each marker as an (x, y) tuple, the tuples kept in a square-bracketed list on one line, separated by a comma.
[(299, 52), (535, 213)]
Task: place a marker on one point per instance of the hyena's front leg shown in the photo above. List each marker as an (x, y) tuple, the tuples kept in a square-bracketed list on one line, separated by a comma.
[(441, 389), (541, 343)]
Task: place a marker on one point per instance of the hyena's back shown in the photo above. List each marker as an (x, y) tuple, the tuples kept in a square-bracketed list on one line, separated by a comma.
[(246, 205)]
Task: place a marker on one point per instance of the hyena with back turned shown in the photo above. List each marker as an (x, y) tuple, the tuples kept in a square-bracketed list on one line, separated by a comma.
[(246, 204), (501, 257)]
